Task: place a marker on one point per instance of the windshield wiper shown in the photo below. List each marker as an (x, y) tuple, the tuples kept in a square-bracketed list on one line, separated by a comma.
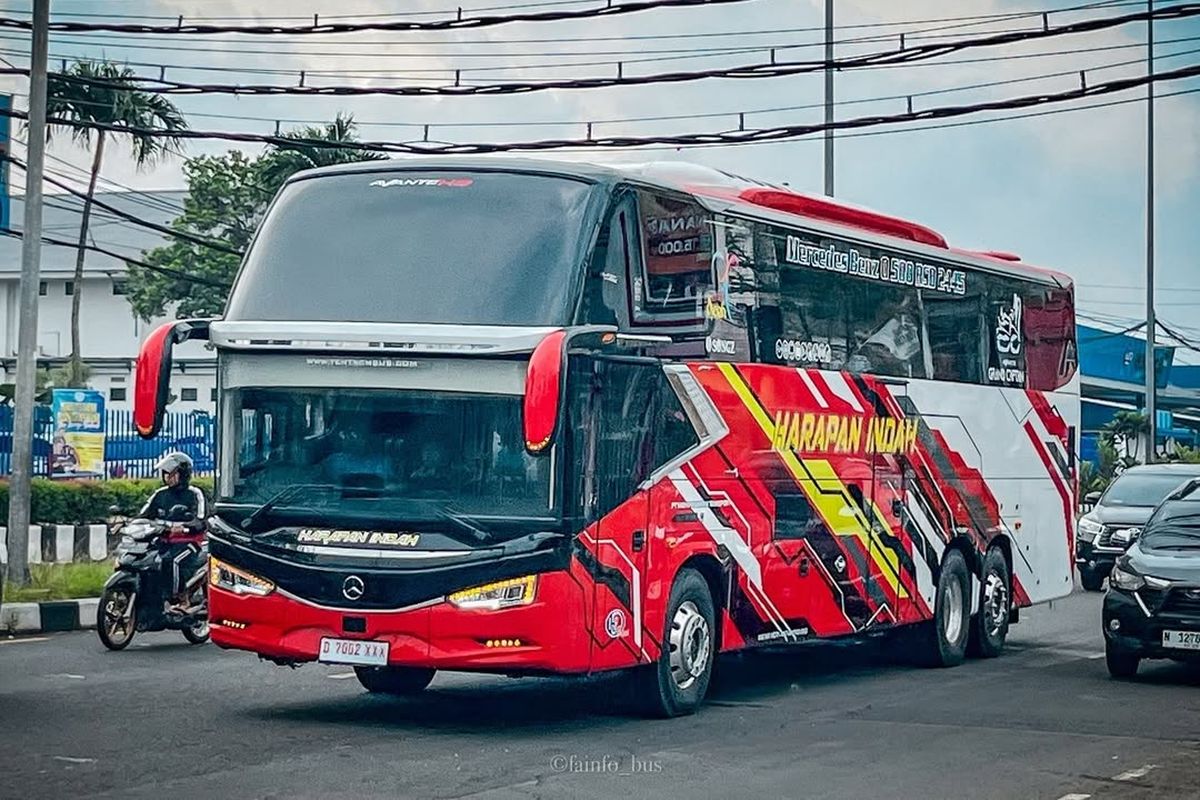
[(279, 497)]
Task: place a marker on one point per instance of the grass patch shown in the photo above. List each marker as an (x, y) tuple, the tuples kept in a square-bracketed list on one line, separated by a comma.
[(60, 582)]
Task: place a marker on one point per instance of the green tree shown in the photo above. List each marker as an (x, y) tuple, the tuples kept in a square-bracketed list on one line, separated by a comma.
[(227, 196), (1124, 433), (112, 101)]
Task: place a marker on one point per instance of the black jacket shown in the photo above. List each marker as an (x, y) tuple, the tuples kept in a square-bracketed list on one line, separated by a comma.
[(162, 501)]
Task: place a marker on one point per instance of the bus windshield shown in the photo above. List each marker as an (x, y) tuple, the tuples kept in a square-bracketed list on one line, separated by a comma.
[(385, 456), (484, 248)]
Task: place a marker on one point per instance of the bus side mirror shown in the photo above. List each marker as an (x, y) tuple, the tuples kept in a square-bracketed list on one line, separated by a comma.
[(152, 384), (543, 392)]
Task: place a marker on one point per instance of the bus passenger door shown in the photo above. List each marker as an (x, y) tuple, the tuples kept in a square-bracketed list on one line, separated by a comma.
[(616, 542)]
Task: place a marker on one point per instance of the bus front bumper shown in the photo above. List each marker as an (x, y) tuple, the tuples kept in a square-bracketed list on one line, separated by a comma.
[(549, 635)]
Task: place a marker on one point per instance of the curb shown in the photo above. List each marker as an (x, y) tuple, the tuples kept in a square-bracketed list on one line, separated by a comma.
[(63, 544), (49, 616)]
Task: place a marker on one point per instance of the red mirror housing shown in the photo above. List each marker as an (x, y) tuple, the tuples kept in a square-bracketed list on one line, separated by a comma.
[(543, 391), (152, 384)]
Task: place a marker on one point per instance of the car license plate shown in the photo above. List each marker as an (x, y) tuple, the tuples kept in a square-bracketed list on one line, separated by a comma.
[(1182, 640), (353, 651)]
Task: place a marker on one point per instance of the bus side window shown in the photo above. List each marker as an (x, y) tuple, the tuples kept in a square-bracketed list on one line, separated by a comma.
[(676, 279)]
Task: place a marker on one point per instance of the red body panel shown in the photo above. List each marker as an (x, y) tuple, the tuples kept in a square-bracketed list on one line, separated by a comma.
[(825, 505)]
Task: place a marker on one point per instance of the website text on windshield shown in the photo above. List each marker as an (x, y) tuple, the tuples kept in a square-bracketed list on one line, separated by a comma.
[(530, 417)]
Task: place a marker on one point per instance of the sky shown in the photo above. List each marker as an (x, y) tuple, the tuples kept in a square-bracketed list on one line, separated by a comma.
[(1063, 190)]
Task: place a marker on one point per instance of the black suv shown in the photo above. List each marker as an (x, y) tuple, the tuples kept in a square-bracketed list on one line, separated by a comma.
[(1111, 526), (1152, 609)]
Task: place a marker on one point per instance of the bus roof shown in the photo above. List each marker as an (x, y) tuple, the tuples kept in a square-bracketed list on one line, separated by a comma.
[(722, 191)]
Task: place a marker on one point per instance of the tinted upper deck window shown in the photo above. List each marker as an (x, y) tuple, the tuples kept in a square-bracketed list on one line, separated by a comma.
[(425, 247)]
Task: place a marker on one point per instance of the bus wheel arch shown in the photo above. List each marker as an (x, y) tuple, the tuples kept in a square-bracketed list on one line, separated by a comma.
[(717, 576)]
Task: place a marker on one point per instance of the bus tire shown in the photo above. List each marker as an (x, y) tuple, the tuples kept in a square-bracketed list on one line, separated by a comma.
[(394, 680), (945, 636), (989, 628), (675, 685)]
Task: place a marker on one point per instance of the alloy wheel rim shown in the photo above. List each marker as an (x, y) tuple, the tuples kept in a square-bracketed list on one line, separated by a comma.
[(690, 644)]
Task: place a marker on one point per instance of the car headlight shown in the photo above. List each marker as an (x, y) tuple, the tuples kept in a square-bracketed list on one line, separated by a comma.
[(1126, 580), (1089, 528), (498, 595), (238, 581)]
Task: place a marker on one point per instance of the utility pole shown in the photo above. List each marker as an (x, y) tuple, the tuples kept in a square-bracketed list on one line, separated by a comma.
[(828, 98), (31, 251), (1151, 323)]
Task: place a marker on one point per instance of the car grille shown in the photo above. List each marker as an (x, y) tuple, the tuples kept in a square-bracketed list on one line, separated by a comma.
[(1185, 602), (1106, 536)]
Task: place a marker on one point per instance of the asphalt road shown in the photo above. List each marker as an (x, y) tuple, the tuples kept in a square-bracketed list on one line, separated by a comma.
[(168, 720)]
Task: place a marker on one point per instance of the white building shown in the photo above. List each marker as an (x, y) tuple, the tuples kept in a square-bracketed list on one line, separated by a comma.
[(110, 333)]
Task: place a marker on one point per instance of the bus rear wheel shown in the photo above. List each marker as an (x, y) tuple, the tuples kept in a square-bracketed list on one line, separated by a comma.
[(675, 685), (397, 681), (944, 640), (989, 628)]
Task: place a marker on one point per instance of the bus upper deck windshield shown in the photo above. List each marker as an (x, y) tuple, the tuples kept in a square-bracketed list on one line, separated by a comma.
[(487, 248)]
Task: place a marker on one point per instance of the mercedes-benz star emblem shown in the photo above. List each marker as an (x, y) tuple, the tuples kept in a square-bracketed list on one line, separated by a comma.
[(353, 587)]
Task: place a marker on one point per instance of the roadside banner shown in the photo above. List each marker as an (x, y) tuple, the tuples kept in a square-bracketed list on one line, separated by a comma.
[(78, 445)]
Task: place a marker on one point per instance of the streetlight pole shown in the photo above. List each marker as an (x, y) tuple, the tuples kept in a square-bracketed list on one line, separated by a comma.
[(828, 98), (31, 246), (1151, 382)]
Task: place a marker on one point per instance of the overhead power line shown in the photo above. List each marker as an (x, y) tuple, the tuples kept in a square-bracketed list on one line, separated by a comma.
[(183, 235), (509, 7), (136, 220), (456, 23), (923, 52), (615, 142), (174, 273), (735, 114)]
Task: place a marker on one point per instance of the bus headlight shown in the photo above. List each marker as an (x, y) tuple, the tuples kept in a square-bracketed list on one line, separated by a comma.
[(498, 595), (228, 577)]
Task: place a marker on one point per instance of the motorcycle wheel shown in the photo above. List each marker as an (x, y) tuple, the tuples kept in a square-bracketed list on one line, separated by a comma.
[(197, 633), (116, 617)]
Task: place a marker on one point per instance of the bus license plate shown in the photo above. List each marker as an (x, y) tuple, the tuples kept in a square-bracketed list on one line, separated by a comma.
[(1182, 640), (353, 651)]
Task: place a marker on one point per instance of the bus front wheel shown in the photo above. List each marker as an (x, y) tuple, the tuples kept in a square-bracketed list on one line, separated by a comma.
[(945, 636), (394, 680), (677, 682)]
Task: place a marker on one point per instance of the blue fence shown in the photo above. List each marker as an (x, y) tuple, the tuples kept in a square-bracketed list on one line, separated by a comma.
[(126, 455)]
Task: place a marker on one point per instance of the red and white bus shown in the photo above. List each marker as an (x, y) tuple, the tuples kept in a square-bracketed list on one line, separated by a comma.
[(528, 417)]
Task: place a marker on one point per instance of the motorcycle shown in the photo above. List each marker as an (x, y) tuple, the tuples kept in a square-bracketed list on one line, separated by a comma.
[(123, 611)]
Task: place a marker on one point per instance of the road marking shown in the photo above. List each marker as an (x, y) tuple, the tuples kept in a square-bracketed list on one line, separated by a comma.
[(1095, 656), (1075, 797), (341, 676), (70, 675), (24, 640), (1134, 774), (73, 760)]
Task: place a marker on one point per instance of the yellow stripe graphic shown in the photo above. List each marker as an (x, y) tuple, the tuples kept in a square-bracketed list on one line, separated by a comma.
[(837, 507)]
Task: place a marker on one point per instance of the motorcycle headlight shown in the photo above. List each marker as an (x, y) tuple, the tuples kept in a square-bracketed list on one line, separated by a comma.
[(1089, 528), (498, 595), (238, 581), (1126, 580)]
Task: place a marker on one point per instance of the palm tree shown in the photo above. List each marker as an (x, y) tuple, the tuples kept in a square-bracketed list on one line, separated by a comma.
[(103, 93), (291, 158)]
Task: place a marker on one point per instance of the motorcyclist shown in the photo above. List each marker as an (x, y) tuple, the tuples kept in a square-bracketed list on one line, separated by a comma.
[(182, 543)]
